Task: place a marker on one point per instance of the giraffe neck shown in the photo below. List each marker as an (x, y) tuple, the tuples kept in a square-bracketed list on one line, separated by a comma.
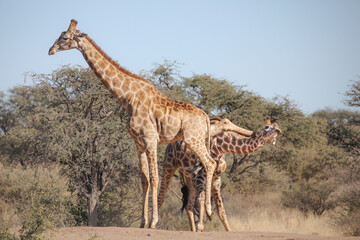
[(227, 143), (127, 87)]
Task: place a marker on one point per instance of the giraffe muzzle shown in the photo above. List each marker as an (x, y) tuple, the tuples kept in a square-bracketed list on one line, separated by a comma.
[(52, 50), (273, 142)]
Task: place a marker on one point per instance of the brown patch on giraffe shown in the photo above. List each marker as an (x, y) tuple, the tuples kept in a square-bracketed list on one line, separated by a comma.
[(240, 142), (110, 71), (141, 95), (227, 139), (157, 99), (243, 149), (125, 85), (135, 86), (101, 73), (143, 114), (233, 140), (102, 63), (231, 147), (186, 163), (116, 84), (97, 55)]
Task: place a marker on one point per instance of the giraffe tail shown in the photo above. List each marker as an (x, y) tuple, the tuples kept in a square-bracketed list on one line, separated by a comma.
[(208, 133), (185, 197)]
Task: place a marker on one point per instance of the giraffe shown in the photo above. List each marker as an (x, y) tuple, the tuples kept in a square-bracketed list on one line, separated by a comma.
[(185, 158), (176, 157), (153, 118)]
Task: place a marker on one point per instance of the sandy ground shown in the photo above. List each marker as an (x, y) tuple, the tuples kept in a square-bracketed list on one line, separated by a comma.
[(117, 233)]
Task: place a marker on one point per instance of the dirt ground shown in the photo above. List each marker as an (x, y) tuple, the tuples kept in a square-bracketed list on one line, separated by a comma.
[(117, 233)]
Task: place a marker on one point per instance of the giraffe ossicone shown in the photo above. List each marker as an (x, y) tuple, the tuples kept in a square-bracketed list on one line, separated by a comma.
[(153, 118)]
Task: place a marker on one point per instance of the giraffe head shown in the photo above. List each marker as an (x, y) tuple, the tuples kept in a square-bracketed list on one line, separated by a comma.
[(219, 125), (67, 40), (269, 132)]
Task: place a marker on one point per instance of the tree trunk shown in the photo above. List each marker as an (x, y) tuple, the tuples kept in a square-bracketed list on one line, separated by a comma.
[(92, 209)]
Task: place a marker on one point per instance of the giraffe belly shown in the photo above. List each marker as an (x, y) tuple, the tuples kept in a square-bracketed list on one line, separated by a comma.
[(169, 131)]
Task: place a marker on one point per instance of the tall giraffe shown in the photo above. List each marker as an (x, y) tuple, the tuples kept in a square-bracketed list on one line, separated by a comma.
[(153, 118), (176, 157)]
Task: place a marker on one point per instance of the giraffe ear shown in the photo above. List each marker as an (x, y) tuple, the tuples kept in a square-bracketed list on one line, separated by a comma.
[(267, 121), (80, 34), (255, 134), (72, 27)]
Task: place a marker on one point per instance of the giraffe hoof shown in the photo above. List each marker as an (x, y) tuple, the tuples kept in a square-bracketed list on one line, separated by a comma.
[(209, 212), (152, 224), (143, 225), (211, 216)]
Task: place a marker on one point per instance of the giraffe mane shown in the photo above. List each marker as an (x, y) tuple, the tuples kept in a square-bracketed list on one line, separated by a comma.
[(117, 65)]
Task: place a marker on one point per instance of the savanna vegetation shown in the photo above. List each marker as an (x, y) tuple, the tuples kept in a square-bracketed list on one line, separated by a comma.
[(67, 159)]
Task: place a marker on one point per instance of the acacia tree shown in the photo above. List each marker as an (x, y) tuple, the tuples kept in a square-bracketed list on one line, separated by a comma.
[(353, 94), (77, 123)]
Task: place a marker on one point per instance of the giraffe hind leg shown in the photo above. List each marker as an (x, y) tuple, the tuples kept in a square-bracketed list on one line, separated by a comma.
[(151, 152), (190, 204), (168, 174), (209, 165), (198, 180), (144, 168), (219, 203)]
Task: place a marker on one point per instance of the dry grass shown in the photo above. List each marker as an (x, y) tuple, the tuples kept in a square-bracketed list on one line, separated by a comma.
[(282, 220), (265, 213)]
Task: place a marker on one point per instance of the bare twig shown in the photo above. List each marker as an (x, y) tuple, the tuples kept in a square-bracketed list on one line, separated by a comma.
[(175, 194)]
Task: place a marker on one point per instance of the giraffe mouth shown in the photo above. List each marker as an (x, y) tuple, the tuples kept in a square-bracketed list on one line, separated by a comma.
[(273, 142), (52, 51)]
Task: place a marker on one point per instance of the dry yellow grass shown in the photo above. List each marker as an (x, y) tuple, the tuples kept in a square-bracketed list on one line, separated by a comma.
[(265, 213), (282, 220)]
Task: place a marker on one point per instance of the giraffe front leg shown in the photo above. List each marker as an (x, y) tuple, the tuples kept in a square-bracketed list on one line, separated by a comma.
[(219, 203), (169, 168), (168, 173), (209, 166), (199, 183), (200, 150), (201, 198), (190, 205), (144, 168), (154, 181)]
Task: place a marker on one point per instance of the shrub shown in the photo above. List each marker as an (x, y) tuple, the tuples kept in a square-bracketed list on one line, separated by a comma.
[(347, 215), (310, 197), (38, 197)]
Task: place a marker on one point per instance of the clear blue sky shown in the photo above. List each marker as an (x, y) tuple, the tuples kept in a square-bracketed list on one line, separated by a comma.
[(308, 50)]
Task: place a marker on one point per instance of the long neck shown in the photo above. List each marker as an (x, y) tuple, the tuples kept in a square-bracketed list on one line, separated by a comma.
[(227, 143), (128, 88)]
